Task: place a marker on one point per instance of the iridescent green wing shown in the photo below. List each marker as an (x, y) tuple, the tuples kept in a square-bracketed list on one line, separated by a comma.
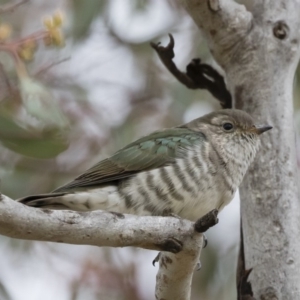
[(153, 151)]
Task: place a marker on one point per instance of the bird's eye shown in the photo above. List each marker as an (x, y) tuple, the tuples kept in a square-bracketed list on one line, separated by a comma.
[(227, 126)]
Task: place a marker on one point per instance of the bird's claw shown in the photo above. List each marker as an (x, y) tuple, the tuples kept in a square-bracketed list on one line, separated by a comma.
[(156, 259), (205, 241), (198, 266)]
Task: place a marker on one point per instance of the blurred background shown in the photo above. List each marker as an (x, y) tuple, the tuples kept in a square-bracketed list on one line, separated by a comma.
[(84, 83)]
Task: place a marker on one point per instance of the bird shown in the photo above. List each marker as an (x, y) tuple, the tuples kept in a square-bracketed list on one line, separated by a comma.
[(186, 171)]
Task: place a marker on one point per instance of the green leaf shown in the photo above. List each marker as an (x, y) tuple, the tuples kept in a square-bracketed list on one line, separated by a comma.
[(28, 142), (39, 103), (85, 13)]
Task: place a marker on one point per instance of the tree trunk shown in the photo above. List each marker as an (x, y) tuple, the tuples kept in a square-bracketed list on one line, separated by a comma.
[(258, 48)]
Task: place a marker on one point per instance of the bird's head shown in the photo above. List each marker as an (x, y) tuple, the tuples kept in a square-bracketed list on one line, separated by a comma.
[(232, 122), (230, 128)]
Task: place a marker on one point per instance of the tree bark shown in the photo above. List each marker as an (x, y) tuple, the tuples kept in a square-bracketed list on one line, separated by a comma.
[(181, 240), (258, 48)]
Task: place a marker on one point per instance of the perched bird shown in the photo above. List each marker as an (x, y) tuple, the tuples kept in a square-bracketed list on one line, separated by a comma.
[(186, 170)]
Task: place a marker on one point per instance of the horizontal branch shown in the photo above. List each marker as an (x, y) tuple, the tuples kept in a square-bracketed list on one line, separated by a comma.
[(101, 228), (97, 228)]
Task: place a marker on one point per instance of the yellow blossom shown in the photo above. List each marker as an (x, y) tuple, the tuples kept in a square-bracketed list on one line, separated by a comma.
[(53, 24), (48, 23), (5, 31), (26, 54), (58, 19), (27, 49)]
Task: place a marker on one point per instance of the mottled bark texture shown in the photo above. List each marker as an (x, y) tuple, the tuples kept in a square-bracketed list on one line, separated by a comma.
[(257, 45)]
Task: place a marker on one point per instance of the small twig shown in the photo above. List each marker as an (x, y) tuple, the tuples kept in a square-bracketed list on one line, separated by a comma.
[(166, 54), (51, 65), (36, 36), (12, 48), (12, 7), (197, 76), (207, 221)]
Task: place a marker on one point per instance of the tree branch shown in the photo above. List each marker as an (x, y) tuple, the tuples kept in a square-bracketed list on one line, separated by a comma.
[(11, 7), (175, 270), (197, 76), (47, 67), (91, 228), (101, 228)]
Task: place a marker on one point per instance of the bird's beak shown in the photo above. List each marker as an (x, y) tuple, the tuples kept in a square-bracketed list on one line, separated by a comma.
[(259, 129)]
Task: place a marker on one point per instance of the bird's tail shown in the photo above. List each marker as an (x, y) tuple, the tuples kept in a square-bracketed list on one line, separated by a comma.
[(53, 201), (104, 198)]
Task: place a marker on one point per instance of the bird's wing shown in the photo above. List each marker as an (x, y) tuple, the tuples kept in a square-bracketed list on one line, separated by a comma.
[(153, 151)]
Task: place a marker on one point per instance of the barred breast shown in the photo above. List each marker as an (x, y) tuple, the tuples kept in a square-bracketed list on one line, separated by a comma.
[(189, 188), (204, 179)]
